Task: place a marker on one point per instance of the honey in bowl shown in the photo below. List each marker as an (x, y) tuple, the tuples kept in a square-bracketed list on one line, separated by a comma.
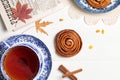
[(21, 63)]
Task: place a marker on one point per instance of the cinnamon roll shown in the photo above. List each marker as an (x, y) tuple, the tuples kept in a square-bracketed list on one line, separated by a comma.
[(99, 3), (68, 43)]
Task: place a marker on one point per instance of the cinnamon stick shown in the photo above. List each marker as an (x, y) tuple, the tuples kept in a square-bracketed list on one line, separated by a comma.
[(71, 73), (64, 70)]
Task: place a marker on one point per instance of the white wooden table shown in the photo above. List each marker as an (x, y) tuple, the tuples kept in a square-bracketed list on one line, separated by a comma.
[(102, 62)]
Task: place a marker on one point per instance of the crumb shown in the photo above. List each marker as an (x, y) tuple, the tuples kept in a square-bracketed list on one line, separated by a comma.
[(97, 31), (90, 46), (103, 31), (61, 20)]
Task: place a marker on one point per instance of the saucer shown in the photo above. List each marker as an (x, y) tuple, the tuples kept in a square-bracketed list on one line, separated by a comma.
[(46, 61), (83, 4)]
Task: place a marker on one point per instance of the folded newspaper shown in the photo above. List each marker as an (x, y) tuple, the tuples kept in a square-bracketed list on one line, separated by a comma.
[(18, 13)]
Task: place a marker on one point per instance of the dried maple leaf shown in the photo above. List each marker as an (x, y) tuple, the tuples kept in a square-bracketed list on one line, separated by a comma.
[(40, 25), (42, 31), (21, 12)]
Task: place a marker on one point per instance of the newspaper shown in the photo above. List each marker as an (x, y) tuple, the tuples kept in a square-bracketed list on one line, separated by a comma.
[(18, 13)]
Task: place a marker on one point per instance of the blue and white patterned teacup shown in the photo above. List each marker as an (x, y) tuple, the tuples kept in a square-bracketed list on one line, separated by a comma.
[(32, 43)]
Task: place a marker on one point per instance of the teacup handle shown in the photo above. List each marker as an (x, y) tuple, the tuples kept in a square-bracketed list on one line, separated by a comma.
[(4, 46)]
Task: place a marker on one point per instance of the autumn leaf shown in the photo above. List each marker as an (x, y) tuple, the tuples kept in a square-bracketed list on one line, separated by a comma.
[(40, 25), (42, 31), (21, 12)]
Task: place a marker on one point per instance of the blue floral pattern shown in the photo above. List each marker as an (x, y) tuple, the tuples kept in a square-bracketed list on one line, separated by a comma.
[(85, 6), (42, 50)]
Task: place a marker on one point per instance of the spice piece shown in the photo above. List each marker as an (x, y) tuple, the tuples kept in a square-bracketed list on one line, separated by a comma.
[(61, 20), (103, 31), (97, 31), (70, 73), (90, 46), (64, 70)]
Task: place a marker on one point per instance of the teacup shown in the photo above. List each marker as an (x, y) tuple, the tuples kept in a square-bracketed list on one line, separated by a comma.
[(24, 57)]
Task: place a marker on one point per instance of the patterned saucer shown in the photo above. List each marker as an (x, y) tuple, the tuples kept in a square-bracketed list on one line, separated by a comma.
[(34, 43), (85, 6)]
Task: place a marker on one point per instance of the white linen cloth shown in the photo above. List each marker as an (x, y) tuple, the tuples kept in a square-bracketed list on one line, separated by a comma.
[(76, 13)]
